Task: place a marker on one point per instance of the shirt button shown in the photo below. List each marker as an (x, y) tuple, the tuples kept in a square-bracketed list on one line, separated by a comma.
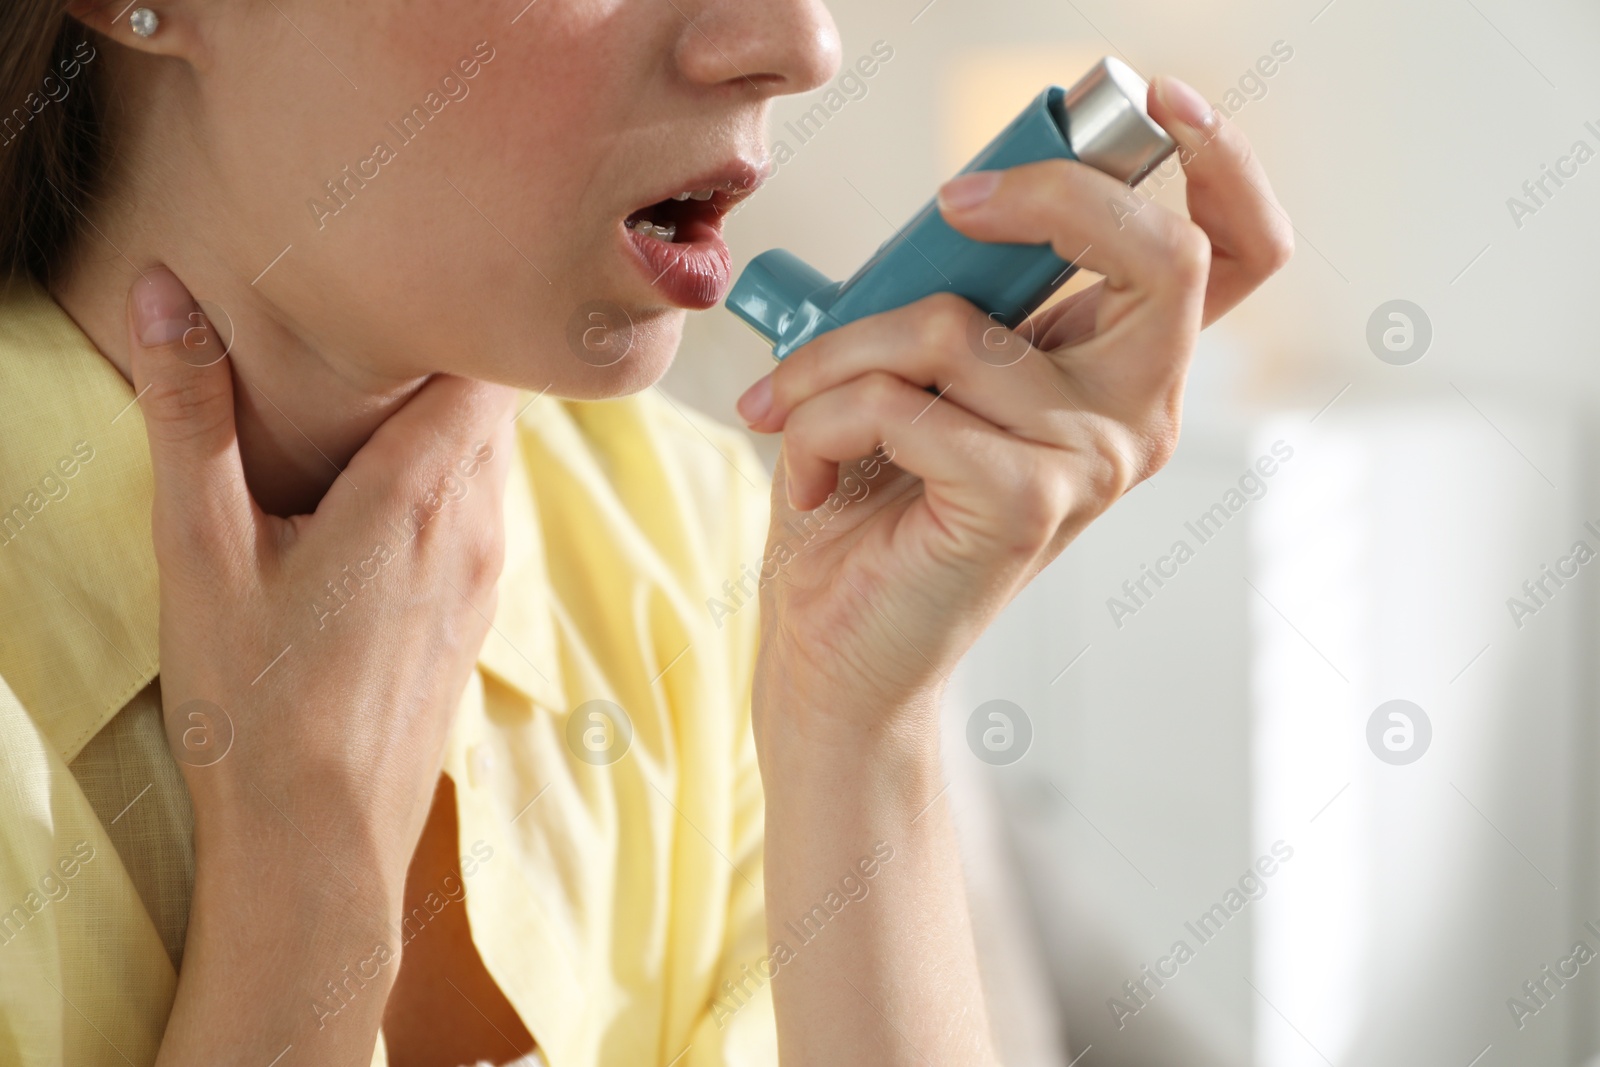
[(480, 764)]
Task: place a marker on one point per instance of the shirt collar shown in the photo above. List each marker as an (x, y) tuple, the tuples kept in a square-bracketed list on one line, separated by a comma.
[(79, 589)]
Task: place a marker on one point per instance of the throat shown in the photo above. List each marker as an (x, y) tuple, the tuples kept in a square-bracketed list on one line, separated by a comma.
[(293, 456), (300, 414)]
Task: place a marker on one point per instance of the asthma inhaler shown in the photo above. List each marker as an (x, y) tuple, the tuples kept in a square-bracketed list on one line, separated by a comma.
[(1101, 121)]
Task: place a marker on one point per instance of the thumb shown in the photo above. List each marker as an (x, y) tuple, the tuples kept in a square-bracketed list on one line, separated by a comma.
[(184, 385)]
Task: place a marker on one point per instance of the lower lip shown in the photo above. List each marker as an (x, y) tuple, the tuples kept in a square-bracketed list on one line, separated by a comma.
[(691, 272)]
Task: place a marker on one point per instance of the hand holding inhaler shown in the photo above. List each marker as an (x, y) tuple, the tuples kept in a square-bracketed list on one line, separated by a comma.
[(996, 464)]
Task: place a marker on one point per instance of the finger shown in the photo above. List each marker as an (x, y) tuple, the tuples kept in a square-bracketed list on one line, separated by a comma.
[(941, 343), (1082, 214), (184, 384), (497, 456), (984, 485), (448, 421), (466, 515), (477, 476), (1229, 195)]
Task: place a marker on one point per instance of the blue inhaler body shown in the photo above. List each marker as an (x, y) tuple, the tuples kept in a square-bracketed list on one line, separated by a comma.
[(1101, 121)]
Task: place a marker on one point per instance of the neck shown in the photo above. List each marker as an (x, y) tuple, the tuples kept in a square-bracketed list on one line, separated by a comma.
[(301, 411), (304, 404)]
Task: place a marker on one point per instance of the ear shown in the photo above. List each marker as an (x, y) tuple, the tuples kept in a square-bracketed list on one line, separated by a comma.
[(174, 37)]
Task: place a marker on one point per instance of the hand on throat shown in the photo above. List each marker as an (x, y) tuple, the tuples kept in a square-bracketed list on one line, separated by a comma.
[(301, 410)]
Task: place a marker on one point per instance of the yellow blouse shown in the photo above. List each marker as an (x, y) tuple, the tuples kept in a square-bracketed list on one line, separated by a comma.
[(613, 893)]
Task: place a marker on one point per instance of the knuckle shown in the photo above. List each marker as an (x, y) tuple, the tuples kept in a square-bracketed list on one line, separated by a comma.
[(1277, 247), (1109, 476), (186, 406), (1040, 497), (483, 557), (881, 393), (943, 325), (1188, 255), (806, 426), (1107, 466)]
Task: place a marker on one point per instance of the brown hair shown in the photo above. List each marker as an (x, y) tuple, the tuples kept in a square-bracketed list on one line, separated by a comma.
[(51, 134)]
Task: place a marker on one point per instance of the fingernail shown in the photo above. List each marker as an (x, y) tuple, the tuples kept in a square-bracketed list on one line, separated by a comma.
[(161, 308), (756, 402), (1189, 106), (967, 191)]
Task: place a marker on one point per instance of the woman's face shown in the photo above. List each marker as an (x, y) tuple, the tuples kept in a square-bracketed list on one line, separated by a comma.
[(464, 185)]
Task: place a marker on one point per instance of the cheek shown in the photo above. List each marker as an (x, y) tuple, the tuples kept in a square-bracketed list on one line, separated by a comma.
[(468, 235), (557, 118)]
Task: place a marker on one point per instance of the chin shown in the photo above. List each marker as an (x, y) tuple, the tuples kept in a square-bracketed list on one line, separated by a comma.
[(626, 352)]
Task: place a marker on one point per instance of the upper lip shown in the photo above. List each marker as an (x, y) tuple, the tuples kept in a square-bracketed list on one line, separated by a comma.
[(732, 181)]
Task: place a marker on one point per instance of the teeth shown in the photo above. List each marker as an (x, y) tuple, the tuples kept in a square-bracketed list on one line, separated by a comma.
[(666, 233), (696, 194)]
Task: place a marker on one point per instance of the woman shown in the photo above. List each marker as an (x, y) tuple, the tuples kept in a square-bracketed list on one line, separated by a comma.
[(455, 766)]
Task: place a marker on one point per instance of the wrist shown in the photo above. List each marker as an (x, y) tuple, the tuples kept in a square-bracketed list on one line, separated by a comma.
[(296, 862), (837, 705), (811, 748), (307, 947)]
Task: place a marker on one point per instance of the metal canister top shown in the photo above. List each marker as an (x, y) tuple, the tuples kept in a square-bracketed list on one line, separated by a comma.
[(1109, 124)]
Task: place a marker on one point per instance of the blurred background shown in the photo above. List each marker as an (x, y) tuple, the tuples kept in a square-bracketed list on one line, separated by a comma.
[(1216, 759)]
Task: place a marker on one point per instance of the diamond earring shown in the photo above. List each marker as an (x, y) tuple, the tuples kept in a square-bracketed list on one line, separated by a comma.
[(144, 22)]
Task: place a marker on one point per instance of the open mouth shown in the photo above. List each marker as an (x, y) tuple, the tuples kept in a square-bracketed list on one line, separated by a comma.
[(689, 216), (677, 241)]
